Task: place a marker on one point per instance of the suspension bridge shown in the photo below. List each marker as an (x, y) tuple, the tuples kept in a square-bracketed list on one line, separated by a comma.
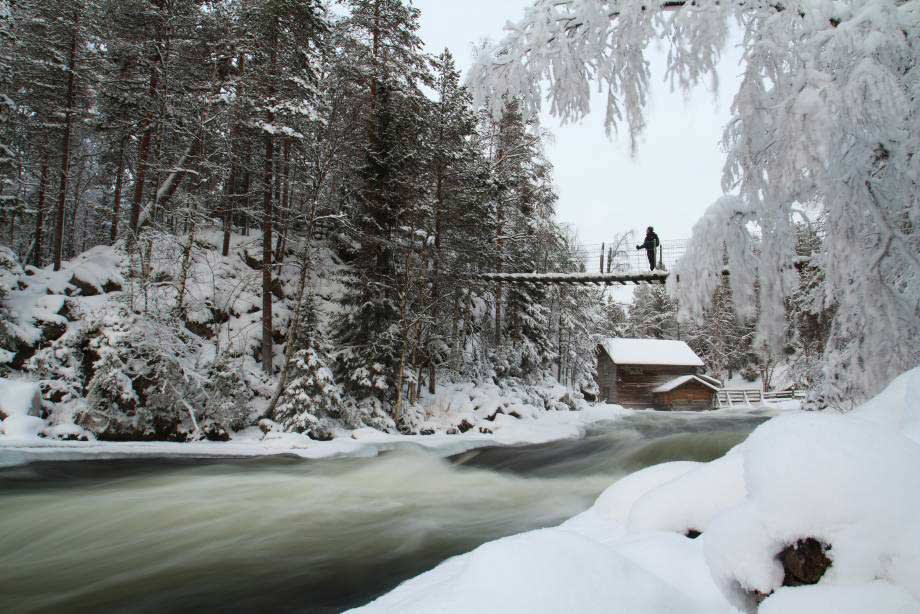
[(602, 265)]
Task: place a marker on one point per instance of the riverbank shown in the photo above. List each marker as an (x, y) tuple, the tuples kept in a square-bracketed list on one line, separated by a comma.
[(489, 415), (813, 512)]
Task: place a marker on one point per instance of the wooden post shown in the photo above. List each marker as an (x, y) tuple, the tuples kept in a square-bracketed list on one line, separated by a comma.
[(603, 245)]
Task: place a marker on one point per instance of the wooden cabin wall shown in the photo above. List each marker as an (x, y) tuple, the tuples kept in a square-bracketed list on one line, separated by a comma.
[(690, 396), (635, 384), (606, 378)]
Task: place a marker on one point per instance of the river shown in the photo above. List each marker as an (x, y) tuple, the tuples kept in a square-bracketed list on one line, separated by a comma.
[(281, 534)]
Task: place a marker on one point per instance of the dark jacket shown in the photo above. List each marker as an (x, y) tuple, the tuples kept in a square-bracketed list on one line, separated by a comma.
[(651, 242)]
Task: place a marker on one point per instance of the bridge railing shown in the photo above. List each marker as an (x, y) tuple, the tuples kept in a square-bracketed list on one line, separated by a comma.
[(604, 259)]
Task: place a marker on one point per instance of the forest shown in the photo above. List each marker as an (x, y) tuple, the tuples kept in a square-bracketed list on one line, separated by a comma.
[(218, 212)]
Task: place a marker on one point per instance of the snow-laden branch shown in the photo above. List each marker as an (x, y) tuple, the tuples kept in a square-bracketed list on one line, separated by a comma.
[(827, 112)]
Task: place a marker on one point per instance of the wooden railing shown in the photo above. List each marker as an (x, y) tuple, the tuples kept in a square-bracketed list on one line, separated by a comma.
[(748, 397), (734, 397), (784, 394)]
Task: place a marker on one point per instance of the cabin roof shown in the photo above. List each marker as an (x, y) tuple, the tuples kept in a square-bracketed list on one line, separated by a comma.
[(650, 352), (712, 380), (677, 382)]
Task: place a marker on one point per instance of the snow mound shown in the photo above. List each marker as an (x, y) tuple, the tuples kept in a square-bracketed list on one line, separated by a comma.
[(20, 406), (897, 406), (873, 597), (702, 492), (616, 502), (842, 480), (524, 573)]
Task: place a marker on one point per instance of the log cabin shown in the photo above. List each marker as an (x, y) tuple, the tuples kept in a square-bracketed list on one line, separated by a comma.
[(653, 373)]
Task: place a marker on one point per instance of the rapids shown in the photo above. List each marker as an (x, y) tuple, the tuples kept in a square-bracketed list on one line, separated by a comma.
[(286, 535)]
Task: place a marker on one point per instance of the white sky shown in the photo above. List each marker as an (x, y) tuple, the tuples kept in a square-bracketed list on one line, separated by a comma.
[(676, 174)]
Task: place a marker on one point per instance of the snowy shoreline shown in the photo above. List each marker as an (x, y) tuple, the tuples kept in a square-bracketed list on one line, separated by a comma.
[(360, 443), (364, 442)]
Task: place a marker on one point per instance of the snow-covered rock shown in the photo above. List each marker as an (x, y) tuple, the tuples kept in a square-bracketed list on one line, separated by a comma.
[(20, 409)]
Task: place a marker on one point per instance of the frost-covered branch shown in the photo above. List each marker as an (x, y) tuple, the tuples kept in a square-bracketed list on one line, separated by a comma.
[(826, 113)]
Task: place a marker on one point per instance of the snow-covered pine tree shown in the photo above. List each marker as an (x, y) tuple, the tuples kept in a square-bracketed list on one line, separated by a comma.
[(284, 40), (453, 157), (54, 78), (653, 314), (387, 207), (523, 233), (312, 397), (720, 338)]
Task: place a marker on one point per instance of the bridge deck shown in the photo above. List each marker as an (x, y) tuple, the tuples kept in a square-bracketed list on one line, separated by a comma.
[(600, 279)]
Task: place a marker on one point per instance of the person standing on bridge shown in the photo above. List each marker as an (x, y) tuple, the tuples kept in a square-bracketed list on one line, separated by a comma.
[(650, 246)]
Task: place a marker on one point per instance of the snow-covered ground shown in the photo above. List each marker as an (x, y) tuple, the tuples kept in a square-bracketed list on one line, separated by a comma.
[(850, 482)]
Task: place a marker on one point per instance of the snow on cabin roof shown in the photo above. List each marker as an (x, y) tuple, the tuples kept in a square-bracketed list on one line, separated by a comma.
[(650, 352), (677, 382)]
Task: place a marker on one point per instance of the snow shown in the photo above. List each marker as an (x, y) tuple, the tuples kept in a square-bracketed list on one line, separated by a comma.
[(878, 596), (19, 408), (362, 442), (677, 382), (846, 480), (523, 573), (650, 352)]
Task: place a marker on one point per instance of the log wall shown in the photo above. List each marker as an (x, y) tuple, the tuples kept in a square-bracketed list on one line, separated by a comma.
[(632, 385), (691, 396)]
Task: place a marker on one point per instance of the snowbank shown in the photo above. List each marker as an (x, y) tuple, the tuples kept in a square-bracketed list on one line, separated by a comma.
[(847, 483), (364, 442)]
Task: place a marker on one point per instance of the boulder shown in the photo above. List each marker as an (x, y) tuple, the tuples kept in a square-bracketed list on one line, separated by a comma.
[(267, 426), (86, 288), (464, 426), (804, 562), (318, 433)]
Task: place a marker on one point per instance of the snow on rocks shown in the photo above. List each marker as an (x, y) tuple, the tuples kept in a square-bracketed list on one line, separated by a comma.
[(814, 512), (20, 409), (849, 483)]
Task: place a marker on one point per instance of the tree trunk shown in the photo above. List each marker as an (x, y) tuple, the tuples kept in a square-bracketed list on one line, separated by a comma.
[(143, 152), (40, 212), (267, 252), (119, 183), (229, 195), (268, 195), (65, 145), (144, 147), (500, 268), (234, 165), (285, 199)]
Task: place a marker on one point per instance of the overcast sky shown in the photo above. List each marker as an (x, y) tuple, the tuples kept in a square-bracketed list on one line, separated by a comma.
[(676, 174)]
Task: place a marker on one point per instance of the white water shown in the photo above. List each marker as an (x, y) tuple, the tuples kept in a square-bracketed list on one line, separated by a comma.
[(287, 535)]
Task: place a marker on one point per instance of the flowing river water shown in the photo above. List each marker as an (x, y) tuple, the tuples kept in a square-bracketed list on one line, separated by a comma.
[(286, 535)]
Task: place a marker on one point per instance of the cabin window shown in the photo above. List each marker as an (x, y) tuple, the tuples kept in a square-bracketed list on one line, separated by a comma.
[(605, 393), (632, 370)]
